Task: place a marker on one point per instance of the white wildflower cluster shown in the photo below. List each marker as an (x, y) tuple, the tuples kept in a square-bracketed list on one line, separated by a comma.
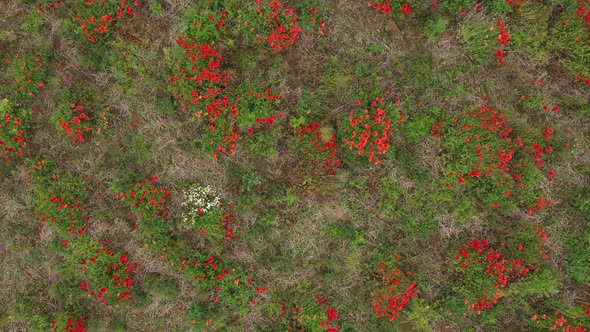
[(198, 200)]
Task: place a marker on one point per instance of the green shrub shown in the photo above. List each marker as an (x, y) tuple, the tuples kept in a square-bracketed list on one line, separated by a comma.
[(132, 69), (162, 287), (421, 315), (417, 128), (32, 24), (455, 6), (98, 324), (435, 26), (539, 285), (407, 159), (137, 153), (499, 7), (392, 193), (577, 262), (531, 39), (477, 39), (156, 234), (155, 7), (38, 323), (65, 292), (201, 316), (244, 175), (342, 231)]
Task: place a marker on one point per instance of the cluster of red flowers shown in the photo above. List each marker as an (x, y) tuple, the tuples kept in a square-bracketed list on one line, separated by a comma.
[(211, 18), (52, 5), (516, 3), (531, 100), (117, 271), (503, 37), (331, 316), (25, 73), (76, 120), (369, 130), (436, 129), (493, 263), (227, 142), (583, 15), (148, 201), (204, 61), (484, 302), (199, 86), (381, 6), (390, 303), (225, 222), (406, 9), (299, 318), (496, 149), (75, 324), (106, 272), (560, 320), (202, 87), (284, 30), (580, 78), (77, 124), (324, 147), (207, 264), (223, 282), (540, 203), (36, 170), (539, 149), (12, 138), (541, 232), (227, 215), (93, 24), (543, 249), (69, 211), (384, 7)]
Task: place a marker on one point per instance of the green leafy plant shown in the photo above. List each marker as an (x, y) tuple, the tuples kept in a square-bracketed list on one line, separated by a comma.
[(160, 286), (32, 24), (477, 39), (435, 27)]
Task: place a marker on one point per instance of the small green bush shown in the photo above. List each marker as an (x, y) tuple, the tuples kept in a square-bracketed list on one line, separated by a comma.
[(477, 39), (162, 287), (435, 26), (32, 24)]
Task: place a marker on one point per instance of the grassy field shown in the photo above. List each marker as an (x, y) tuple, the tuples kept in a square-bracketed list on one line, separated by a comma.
[(309, 165)]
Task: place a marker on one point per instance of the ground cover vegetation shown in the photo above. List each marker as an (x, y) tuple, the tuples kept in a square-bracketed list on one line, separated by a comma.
[(310, 165)]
